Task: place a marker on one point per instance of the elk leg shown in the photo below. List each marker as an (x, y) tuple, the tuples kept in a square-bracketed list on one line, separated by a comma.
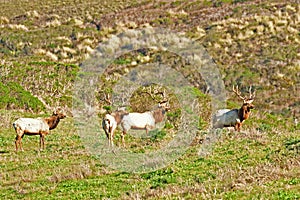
[(108, 134), (148, 127), (122, 136), (237, 127), (109, 140), (18, 142), (43, 137), (18, 138), (112, 138), (42, 142)]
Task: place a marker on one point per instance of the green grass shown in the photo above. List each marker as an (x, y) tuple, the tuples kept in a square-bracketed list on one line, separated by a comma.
[(250, 164), (260, 162), (51, 81)]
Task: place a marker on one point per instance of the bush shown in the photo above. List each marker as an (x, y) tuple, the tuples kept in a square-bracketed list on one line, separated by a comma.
[(12, 95)]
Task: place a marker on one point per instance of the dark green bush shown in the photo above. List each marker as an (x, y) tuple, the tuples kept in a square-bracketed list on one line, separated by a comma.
[(12, 95)]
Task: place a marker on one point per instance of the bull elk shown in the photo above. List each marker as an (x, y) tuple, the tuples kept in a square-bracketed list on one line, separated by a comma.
[(139, 121), (235, 117), (36, 126)]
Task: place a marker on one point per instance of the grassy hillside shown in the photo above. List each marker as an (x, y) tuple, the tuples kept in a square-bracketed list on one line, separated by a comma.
[(43, 46)]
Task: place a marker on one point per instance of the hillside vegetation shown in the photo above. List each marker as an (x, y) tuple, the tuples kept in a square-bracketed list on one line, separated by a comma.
[(253, 43)]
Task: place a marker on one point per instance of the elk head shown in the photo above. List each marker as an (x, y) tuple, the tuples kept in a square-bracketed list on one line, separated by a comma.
[(59, 112), (164, 102), (245, 110), (164, 105)]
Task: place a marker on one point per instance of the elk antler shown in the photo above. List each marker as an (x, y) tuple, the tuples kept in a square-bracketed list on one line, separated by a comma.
[(164, 103), (107, 98), (156, 92), (57, 111), (164, 98), (251, 95), (150, 94), (237, 92)]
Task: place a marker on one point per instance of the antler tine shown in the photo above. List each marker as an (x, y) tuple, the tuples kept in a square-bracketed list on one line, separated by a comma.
[(107, 98), (251, 95), (57, 110), (149, 93), (164, 96), (154, 92), (237, 92)]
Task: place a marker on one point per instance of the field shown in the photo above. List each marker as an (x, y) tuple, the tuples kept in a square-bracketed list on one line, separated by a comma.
[(49, 49)]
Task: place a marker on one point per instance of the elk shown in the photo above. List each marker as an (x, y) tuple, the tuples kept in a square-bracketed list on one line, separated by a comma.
[(110, 123), (134, 120), (138, 121), (36, 126), (235, 117)]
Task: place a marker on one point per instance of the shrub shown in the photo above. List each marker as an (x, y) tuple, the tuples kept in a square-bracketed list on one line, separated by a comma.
[(12, 95)]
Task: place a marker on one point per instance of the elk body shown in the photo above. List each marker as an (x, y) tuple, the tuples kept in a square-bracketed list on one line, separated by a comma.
[(36, 126), (140, 121), (235, 117)]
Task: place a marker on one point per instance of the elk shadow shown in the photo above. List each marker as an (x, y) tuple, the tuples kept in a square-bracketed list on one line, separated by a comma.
[(4, 151)]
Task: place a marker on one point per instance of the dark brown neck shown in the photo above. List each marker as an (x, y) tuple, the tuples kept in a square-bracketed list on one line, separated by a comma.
[(118, 115), (159, 115), (241, 114), (52, 122), (244, 113)]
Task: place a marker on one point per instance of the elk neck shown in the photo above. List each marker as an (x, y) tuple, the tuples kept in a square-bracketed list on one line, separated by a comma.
[(158, 115), (119, 115), (52, 121), (244, 112)]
